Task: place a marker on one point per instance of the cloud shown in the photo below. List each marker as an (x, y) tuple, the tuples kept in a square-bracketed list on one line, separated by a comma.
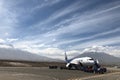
[(8, 46), (45, 3), (107, 49), (59, 53), (102, 41), (83, 23), (52, 51), (8, 19), (61, 13), (11, 39), (42, 49), (2, 41), (95, 36), (94, 21)]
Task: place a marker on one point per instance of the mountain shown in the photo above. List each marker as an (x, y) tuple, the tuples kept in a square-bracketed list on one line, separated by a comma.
[(15, 54), (114, 51), (103, 58)]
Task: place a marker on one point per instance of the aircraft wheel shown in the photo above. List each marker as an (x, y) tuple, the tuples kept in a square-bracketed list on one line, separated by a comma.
[(72, 67)]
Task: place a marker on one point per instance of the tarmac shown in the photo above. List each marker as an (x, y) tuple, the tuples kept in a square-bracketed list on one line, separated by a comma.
[(44, 73)]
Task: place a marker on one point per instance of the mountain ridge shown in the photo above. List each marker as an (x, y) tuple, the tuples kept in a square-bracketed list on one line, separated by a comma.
[(15, 54)]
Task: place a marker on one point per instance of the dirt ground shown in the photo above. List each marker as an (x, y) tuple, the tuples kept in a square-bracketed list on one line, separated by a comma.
[(44, 73)]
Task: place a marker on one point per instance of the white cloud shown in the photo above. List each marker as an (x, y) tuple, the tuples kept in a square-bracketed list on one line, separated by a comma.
[(82, 22), (82, 26), (88, 22), (38, 49), (8, 19), (11, 39), (46, 51), (86, 38), (52, 51), (95, 48), (2, 41), (23, 44), (6, 34), (61, 13), (103, 41), (38, 45), (45, 3), (6, 46), (59, 53)]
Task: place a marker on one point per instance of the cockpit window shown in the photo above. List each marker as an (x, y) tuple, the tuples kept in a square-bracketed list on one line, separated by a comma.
[(91, 59)]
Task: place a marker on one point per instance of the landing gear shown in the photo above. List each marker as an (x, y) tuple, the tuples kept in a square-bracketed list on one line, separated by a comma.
[(72, 67)]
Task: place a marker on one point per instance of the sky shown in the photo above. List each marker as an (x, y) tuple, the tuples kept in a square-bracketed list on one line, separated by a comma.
[(50, 27)]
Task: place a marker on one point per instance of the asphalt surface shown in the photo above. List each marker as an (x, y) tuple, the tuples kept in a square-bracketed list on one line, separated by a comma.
[(113, 74), (38, 73)]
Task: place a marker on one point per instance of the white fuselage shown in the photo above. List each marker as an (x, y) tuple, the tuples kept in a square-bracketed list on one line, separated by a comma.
[(85, 61)]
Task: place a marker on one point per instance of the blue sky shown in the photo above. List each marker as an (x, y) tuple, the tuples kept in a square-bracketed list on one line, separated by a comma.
[(47, 27)]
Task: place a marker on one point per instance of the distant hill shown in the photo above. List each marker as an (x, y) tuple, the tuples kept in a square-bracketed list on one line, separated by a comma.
[(103, 58), (14, 54)]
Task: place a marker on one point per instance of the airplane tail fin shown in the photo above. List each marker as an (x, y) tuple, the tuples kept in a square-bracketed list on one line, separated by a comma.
[(66, 59)]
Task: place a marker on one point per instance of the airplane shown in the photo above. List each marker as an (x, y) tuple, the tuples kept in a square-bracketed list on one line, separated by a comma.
[(78, 63)]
